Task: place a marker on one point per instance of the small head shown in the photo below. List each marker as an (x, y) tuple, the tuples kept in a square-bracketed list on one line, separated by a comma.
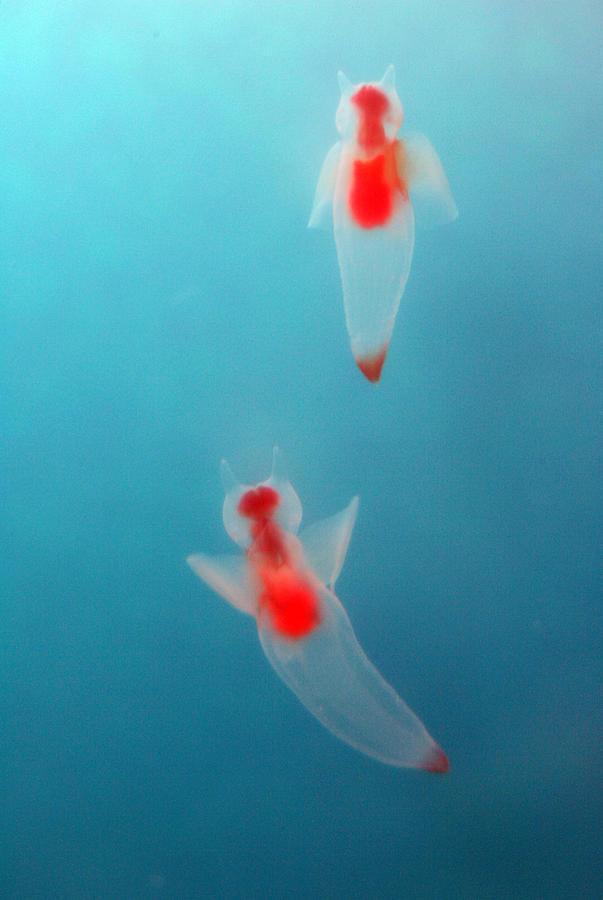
[(375, 102), (245, 504)]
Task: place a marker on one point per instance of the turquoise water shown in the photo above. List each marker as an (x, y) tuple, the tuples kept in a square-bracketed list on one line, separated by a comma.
[(162, 306)]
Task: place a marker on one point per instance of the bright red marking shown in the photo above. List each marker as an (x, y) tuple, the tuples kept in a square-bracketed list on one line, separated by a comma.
[(372, 105), (373, 188), (290, 601), (436, 761), (286, 595), (371, 366), (259, 502), (370, 196)]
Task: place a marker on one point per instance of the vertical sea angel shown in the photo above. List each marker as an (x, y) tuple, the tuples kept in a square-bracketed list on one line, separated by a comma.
[(370, 181)]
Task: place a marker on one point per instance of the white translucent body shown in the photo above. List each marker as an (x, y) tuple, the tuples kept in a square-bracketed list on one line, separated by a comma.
[(375, 262), (327, 669), (335, 680)]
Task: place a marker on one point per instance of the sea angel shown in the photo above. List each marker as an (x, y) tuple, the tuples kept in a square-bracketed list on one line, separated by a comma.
[(286, 582), (367, 181)]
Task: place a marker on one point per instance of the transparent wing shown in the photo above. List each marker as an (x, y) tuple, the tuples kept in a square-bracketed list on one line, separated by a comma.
[(374, 265), (336, 682), (419, 165), (321, 215), (325, 543), (229, 577)]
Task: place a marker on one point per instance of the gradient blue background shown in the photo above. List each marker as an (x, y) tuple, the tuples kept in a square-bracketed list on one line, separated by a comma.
[(163, 305)]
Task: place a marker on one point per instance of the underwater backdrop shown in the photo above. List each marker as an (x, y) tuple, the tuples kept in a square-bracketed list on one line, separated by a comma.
[(163, 305)]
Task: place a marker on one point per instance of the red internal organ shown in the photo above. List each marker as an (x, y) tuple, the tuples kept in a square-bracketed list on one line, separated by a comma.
[(371, 197), (290, 601), (258, 503), (372, 104), (286, 595)]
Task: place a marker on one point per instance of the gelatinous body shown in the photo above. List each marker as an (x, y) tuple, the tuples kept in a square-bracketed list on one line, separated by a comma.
[(370, 181), (287, 583)]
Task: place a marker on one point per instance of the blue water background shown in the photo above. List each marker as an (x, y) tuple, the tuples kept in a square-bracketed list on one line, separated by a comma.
[(162, 306)]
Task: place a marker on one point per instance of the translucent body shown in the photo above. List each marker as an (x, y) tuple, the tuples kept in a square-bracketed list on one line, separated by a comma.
[(287, 584), (368, 184)]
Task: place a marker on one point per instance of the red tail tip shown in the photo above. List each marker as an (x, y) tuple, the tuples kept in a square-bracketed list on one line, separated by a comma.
[(436, 761), (371, 366)]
